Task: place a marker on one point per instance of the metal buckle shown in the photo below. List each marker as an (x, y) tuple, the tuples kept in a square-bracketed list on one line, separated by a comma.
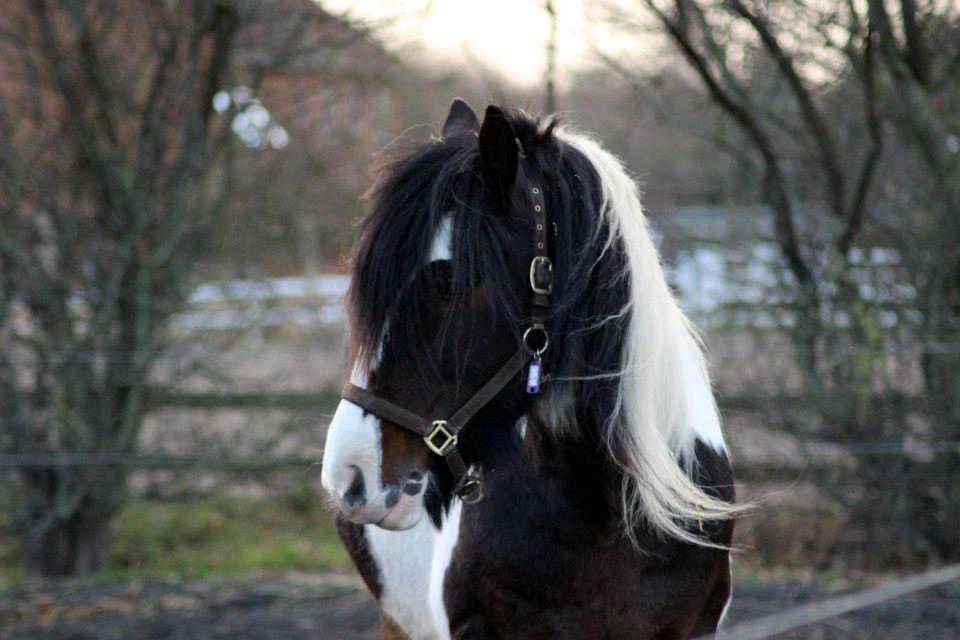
[(534, 267), (449, 439)]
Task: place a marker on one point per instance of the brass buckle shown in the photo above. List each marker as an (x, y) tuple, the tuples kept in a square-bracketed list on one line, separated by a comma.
[(534, 266), (449, 439)]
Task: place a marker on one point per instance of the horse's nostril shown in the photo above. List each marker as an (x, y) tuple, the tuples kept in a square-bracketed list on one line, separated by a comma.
[(356, 495), (414, 484), (393, 497)]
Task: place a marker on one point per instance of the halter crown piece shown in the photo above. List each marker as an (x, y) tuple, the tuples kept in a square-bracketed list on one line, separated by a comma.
[(441, 435)]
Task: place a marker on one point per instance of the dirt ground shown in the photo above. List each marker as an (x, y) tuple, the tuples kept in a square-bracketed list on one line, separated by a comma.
[(334, 607)]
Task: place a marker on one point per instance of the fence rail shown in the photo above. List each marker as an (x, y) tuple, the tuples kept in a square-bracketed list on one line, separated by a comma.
[(815, 612), (317, 399), (295, 400), (807, 463), (806, 457), (159, 461)]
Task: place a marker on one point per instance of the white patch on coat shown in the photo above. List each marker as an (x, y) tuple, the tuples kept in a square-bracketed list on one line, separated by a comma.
[(441, 248), (702, 415), (722, 622), (521, 427), (446, 541), (353, 438), (404, 560)]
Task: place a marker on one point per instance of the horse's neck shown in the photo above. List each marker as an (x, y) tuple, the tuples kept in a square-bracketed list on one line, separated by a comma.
[(563, 469)]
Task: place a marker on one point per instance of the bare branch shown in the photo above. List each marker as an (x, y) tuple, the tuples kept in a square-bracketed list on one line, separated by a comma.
[(774, 183), (916, 54), (854, 217), (811, 115)]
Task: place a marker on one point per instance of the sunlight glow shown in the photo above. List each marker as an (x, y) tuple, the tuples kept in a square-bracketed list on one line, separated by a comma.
[(508, 37)]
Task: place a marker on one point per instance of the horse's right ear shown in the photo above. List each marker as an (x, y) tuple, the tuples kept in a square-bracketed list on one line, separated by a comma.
[(461, 119), (498, 152)]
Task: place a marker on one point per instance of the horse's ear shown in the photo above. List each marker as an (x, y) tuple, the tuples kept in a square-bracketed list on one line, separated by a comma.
[(461, 119), (498, 152)]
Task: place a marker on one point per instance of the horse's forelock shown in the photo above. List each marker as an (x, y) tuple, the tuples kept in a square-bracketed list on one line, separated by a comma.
[(413, 196)]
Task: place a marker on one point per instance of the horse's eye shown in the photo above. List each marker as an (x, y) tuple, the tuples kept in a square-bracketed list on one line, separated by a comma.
[(440, 278), (444, 286)]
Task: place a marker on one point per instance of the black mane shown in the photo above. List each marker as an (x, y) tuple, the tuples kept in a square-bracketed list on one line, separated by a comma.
[(590, 301)]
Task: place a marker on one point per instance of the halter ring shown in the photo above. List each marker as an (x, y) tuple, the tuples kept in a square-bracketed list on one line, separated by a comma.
[(546, 339)]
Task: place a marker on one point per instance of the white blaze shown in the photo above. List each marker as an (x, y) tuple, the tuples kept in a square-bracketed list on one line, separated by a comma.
[(442, 246), (353, 439)]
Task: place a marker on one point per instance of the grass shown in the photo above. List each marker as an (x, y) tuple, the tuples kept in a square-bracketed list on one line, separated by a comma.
[(227, 535), (293, 532), (199, 537)]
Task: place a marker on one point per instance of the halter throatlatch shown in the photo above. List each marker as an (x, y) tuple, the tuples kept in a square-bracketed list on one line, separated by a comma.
[(441, 436)]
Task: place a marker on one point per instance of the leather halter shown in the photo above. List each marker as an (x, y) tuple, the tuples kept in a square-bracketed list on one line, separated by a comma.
[(441, 435)]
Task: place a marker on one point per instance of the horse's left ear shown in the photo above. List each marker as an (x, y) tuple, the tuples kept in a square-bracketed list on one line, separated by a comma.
[(460, 119), (498, 152)]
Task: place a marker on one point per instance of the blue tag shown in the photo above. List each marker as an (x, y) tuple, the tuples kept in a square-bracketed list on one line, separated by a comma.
[(533, 376)]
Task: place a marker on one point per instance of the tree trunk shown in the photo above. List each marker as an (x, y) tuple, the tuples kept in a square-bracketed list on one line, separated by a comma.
[(75, 547), (69, 537), (941, 369)]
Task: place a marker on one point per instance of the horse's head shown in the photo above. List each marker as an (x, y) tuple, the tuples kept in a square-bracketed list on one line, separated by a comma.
[(480, 249), (439, 301)]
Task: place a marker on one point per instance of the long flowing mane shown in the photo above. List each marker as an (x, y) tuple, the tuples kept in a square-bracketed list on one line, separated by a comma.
[(664, 399), (629, 371)]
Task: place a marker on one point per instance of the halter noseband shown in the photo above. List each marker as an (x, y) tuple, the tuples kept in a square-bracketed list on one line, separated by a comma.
[(441, 436)]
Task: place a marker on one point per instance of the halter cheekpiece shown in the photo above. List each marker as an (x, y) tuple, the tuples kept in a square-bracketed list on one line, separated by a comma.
[(441, 435)]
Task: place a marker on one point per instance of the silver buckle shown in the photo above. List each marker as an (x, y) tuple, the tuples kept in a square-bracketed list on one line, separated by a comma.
[(449, 439), (534, 265)]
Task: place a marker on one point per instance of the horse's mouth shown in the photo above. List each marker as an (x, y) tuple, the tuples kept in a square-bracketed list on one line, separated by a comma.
[(392, 522)]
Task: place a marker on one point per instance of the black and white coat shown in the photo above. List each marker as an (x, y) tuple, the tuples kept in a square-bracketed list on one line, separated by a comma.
[(608, 497)]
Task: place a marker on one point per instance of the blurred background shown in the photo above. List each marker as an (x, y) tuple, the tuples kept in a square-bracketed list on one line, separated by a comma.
[(178, 185)]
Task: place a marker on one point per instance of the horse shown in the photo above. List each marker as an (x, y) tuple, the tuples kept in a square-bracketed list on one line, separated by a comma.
[(528, 445)]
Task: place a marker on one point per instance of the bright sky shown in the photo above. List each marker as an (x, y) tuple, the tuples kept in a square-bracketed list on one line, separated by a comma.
[(509, 36)]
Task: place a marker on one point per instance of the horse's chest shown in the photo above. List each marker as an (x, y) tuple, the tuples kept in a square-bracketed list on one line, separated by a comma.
[(480, 576), (501, 587), (403, 565), (512, 576)]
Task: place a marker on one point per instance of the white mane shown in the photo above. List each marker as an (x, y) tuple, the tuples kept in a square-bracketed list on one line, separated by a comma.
[(665, 401)]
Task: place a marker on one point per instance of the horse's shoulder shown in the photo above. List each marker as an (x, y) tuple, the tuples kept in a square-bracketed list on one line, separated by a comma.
[(713, 472)]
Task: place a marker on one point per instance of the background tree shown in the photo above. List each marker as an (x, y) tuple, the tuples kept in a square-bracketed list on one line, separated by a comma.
[(849, 116), (108, 134), (135, 156)]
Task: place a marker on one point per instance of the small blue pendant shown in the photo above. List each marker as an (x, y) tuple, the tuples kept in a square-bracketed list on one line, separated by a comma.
[(534, 371)]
